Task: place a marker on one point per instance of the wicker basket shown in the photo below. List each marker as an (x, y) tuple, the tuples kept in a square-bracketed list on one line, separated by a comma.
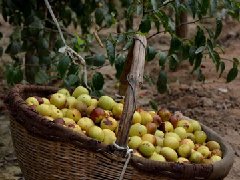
[(49, 151)]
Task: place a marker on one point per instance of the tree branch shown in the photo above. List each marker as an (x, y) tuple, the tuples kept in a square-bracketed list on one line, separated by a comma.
[(191, 22), (163, 5)]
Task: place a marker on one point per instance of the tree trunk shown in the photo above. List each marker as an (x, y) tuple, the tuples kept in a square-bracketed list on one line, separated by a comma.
[(181, 26)]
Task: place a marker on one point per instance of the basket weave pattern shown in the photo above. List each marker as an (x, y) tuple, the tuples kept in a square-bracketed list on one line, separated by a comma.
[(47, 150)]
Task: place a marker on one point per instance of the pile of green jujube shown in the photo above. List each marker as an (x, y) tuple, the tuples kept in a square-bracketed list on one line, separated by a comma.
[(159, 136)]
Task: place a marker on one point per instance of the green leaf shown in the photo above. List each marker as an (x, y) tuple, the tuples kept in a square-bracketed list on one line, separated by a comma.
[(162, 82), (175, 45), (119, 64), (151, 53), (95, 60), (110, 51), (97, 81), (41, 77), (139, 10), (154, 4), (78, 44), (210, 49), (185, 51), (193, 7), (14, 48), (198, 61), (213, 7), (232, 74), (121, 38), (210, 33), (14, 75), (200, 38), (192, 54), (99, 16), (173, 62), (222, 68), (153, 105), (45, 60), (71, 80), (145, 25), (204, 7), (216, 59), (200, 49), (235, 62), (97, 93), (166, 21), (110, 20), (218, 28), (63, 65), (99, 60), (128, 44), (43, 43), (58, 44), (162, 58)]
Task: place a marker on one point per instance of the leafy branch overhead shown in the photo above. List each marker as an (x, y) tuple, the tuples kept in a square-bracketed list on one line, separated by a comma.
[(35, 36)]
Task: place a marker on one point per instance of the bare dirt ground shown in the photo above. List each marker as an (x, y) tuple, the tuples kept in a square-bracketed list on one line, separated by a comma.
[(214, 103)]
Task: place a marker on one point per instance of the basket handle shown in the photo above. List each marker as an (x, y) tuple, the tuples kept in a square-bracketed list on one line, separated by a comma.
[(136, 55)]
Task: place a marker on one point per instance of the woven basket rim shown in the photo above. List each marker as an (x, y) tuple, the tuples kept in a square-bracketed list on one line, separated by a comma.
[(14, 99)]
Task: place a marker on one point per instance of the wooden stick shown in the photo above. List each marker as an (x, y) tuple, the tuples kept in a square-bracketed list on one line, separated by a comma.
[(134, 78)]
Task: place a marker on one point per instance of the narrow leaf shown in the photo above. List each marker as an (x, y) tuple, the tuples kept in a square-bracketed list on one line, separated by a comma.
[(198, 61), (99, 16), (175, 45), (128, 44), (218, 28), (41, 77), (162, 82), (95, 60), (222, 68), (162, 58), (200, 49), (151, 53), (232, 74), (173, 62), (119, 64), (145, 25), (63, 65), (71, 80), (110, 51), (213, 8), (97, 81), (193, 7), (200, 38), (154, 4), (192, 54), (204, 7), (153, 105)]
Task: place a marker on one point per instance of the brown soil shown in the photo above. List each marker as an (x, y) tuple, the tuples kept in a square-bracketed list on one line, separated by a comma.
[(214, 103)]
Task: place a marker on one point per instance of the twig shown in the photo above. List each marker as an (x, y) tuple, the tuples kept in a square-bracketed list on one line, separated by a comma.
[(98, 39), (191, 22), (95, 68), (159, 32), (164, 4), (226, 59), (62, 28)]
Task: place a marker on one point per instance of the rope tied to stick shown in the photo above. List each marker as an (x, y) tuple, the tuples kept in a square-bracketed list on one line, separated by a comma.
[(77, 58), (128, 156)]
